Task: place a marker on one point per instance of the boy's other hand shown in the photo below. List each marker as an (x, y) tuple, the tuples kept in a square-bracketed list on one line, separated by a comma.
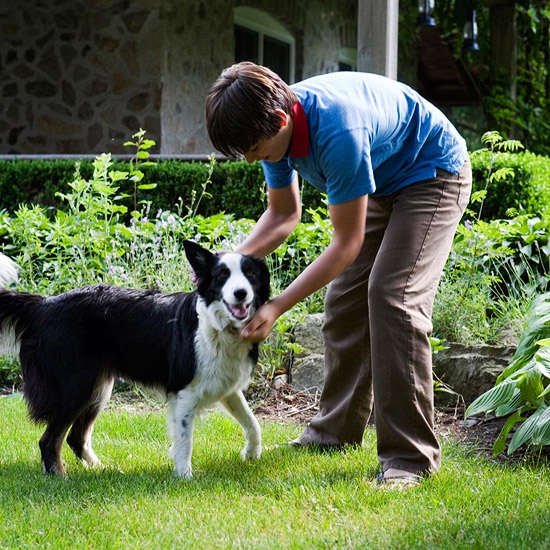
[(259, 327)]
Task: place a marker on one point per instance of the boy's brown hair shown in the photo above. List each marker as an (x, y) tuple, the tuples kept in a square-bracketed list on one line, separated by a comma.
[(241, 104)]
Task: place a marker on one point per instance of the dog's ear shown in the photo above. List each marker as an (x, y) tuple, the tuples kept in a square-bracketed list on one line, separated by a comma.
[(201, 260)]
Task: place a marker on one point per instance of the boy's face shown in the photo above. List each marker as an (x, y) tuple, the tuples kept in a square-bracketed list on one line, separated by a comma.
[(274, 148)]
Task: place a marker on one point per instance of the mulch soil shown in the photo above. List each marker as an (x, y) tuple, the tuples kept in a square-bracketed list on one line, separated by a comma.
[(287, 404)]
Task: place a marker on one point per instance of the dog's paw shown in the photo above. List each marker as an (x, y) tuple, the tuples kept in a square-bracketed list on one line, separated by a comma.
[(184, 472), (89, 459), (251, 452), (96, 464)]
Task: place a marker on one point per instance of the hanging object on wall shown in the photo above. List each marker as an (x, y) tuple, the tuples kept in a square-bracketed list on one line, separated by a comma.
[(470, 30), (425, 13)]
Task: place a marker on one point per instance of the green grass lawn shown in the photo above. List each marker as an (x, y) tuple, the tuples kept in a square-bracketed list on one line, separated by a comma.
[(287, 499)]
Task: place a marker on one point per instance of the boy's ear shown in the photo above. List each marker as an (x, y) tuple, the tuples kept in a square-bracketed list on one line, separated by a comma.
[(282, 116)]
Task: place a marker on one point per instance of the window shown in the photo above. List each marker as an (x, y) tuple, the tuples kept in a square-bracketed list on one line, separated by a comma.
[(347, 59), (263, 40)]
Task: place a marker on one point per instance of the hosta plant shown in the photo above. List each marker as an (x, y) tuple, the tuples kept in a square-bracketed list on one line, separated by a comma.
[(522, 391)]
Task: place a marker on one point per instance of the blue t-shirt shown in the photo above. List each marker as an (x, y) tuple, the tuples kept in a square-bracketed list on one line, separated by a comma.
[(368, 134)]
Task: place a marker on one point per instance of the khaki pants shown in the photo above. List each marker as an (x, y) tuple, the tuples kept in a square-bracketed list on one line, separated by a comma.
[(378, 323)]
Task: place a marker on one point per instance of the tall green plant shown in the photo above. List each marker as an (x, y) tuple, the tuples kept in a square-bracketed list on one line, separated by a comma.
[(140, 161), (522, 391), (466, 296)]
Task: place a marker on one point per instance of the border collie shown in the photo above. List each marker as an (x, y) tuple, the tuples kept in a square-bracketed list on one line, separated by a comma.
[(74, 346)]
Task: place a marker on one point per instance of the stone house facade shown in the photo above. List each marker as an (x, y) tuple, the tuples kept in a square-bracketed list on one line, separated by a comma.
[(81, 76)]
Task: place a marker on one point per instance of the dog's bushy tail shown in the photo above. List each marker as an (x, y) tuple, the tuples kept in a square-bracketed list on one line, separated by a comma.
[(18, 313), (17, 310), (8, 270)]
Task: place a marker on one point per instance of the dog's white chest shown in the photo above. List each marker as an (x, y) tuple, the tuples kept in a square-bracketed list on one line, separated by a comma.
[(223, 362)]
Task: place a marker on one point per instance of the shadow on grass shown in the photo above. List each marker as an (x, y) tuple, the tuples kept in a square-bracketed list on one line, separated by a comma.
[(280, 469)]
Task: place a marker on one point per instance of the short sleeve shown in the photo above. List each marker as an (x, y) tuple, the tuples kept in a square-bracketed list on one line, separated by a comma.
[(278, 174)]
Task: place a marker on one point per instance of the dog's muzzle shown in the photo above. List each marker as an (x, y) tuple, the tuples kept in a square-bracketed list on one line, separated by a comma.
[(238, 311)]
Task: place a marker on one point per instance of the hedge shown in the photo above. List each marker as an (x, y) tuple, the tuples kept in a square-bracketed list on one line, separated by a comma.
[(528, 189), (233, 187), (238, 188)]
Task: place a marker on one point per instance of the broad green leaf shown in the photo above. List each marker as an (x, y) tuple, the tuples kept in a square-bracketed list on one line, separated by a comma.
[(545, 392), (524, 434), (500, 443), (142, 155), (542, 432), (491, 399), (542, 361), (531, 387), (147, 186), (537, 330), (103, 188), (136, 176), (147, 143), (125, 232), (508, 408), (117, 175)]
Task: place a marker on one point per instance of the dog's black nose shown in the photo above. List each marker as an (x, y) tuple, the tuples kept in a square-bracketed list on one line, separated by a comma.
[(240, 294)]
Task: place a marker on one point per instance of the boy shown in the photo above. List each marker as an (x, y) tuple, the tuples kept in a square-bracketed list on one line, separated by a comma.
[(398, 179)]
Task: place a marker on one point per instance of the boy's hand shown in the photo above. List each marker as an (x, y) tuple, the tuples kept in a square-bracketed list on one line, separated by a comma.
[(259, 327)]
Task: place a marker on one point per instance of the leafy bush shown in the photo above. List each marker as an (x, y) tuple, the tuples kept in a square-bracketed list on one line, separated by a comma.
[(107, 229), (239, 188), (233, 186), (526, 186), (523, 389), (495, 267)]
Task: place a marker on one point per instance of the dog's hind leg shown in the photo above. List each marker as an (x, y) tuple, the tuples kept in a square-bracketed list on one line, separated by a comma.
[(50, 447), (80, 436), (236, 405)]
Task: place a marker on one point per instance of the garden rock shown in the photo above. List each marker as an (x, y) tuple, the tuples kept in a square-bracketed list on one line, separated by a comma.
[(467, 370), (471, 370), (308, 364)]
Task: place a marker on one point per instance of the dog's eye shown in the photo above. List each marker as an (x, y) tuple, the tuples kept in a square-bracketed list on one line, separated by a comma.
[(249, 272), (223, 273)]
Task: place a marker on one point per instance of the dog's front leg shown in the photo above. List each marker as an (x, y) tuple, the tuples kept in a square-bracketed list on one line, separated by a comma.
[(236, 405), (181, 421)]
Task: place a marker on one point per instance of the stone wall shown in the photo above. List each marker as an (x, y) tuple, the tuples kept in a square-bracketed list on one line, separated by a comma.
[(80, 76), (199, 44)]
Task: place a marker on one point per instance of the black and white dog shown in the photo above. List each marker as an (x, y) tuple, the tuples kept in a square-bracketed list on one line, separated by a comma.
[(75, 345)]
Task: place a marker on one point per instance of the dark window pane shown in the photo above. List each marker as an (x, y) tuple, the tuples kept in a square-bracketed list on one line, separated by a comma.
[(246, 45), (277, 57)]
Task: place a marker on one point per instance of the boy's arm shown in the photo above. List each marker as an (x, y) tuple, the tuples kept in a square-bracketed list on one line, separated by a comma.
[(276, 223), (348, 221)]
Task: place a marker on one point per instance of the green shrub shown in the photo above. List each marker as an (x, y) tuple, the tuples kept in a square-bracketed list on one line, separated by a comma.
[(495, 266), (526, 187), (234, 187)]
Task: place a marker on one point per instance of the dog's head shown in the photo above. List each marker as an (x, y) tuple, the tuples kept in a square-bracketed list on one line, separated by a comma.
[(233, 286)]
